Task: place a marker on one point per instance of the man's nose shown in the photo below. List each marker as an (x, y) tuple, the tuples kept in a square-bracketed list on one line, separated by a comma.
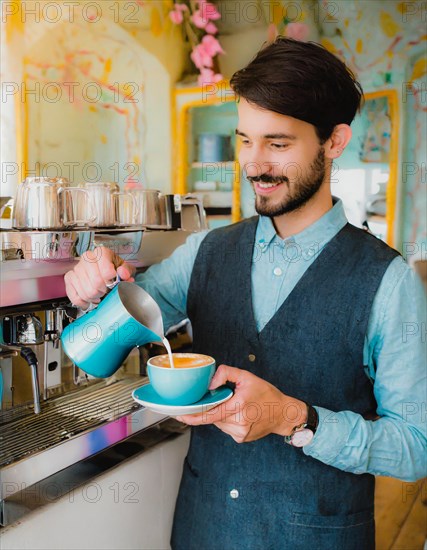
[(253, 165), (252, 169)]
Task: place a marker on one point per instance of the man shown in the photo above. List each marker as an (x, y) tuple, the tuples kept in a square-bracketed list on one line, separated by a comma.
[(304, 314)]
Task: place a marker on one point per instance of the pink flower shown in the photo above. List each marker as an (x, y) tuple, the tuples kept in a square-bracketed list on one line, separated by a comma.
[(297, 31), (209, 11), (199, 20), (200, 57), (211, 45), (207, 76), (176, 17), (211, 28), (204, 45), (177, 14)]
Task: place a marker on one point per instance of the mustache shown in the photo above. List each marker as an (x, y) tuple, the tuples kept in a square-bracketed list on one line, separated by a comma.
[(266, 178)]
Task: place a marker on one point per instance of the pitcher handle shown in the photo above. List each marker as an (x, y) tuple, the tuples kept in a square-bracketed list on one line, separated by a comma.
[(92, 216), (134, 201), (191, 199)]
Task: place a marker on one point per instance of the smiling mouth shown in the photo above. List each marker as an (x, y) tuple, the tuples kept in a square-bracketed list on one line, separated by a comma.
[(267, 185)]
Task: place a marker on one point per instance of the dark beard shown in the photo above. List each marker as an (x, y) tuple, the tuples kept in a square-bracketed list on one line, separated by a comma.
[(304, 189)]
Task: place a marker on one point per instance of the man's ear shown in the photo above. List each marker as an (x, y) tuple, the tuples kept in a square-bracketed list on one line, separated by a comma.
[(338, 141)]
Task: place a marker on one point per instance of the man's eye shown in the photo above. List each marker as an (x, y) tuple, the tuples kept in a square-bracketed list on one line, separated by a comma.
[(279, 145)]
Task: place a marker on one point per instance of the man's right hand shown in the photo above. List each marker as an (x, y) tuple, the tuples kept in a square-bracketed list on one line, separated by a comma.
[(87, 282)]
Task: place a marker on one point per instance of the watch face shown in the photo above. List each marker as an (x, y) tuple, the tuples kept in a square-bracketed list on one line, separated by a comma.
[(302, 437)]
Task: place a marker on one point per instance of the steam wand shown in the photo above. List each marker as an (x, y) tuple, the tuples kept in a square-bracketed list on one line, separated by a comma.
[(31, 358)]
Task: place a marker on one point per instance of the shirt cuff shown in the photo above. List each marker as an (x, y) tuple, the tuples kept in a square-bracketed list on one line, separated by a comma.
[(331, 436)]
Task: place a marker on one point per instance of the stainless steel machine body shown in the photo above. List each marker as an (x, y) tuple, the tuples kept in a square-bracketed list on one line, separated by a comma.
[(76, 416)]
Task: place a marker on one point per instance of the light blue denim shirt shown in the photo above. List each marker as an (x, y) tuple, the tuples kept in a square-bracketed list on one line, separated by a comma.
[(395, 351)]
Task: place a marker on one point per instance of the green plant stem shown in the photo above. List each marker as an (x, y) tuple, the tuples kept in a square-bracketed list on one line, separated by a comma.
[(192, 36)]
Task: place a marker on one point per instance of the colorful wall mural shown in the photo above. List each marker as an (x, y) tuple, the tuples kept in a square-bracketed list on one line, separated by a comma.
[(85, 84), (133, 50), (414, 166), (384, 43)]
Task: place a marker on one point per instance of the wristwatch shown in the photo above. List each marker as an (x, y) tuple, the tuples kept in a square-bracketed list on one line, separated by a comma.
[(303, 433)]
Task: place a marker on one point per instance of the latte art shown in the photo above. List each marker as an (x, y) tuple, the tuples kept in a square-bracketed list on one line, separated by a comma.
[(182, 360)]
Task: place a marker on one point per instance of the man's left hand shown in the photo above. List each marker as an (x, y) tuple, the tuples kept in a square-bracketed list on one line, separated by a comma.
[(256, 409)]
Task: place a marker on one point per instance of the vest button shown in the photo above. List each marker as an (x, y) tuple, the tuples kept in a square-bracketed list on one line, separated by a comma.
[(277, 271), (251, 357), (234, 493)]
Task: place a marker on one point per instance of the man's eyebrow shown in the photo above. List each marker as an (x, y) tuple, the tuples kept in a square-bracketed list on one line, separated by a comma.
[(270, 136), (280, 136)]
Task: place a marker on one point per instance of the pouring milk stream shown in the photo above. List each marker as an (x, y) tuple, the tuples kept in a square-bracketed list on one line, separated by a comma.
[(99, 341)]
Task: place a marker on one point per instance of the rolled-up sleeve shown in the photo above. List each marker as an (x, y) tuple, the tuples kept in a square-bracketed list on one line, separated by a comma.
[(396, 358)]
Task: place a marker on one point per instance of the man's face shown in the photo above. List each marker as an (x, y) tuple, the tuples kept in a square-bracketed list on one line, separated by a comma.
[(282, 159)]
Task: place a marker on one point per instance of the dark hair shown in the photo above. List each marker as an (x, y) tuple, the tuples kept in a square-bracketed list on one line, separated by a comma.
[(302, 80)]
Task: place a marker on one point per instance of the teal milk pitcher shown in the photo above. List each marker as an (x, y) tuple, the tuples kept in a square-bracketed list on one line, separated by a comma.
[(99, 341)]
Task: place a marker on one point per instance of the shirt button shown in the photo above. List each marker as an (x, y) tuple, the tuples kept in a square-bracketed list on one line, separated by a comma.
[(251, 357), (277, 271), (234, 493)]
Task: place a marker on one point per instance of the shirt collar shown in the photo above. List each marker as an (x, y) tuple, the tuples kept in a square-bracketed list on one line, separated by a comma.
[(319, 232)]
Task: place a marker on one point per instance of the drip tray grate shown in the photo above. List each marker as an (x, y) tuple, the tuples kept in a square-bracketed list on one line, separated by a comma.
[(23, 433)]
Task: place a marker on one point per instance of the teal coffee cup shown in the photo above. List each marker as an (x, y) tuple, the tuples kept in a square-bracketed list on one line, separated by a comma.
[(99, 341), (185, 384)]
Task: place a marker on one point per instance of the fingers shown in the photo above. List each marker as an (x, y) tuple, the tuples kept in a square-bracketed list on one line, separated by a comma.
[(232, 425), (87, 283), (226, 412), (84, 288), (240, 433), (225, 374), (230, 411), (191, 419), (95, 272), (74, 291), (126, 272), (102, 262)]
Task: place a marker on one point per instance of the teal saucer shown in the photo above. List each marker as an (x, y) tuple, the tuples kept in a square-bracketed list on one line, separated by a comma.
[(146, 396)]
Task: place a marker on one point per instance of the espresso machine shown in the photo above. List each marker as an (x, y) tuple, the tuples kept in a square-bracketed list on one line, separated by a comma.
[(53, 416)]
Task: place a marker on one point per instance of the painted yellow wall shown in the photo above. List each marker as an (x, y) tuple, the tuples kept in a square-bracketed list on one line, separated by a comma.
[(128, 51)]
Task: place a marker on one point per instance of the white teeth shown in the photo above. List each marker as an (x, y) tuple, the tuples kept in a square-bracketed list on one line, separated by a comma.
[(267, 185)]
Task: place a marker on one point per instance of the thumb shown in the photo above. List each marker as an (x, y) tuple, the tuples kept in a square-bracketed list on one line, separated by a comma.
[(225, 374), (126, 271)]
